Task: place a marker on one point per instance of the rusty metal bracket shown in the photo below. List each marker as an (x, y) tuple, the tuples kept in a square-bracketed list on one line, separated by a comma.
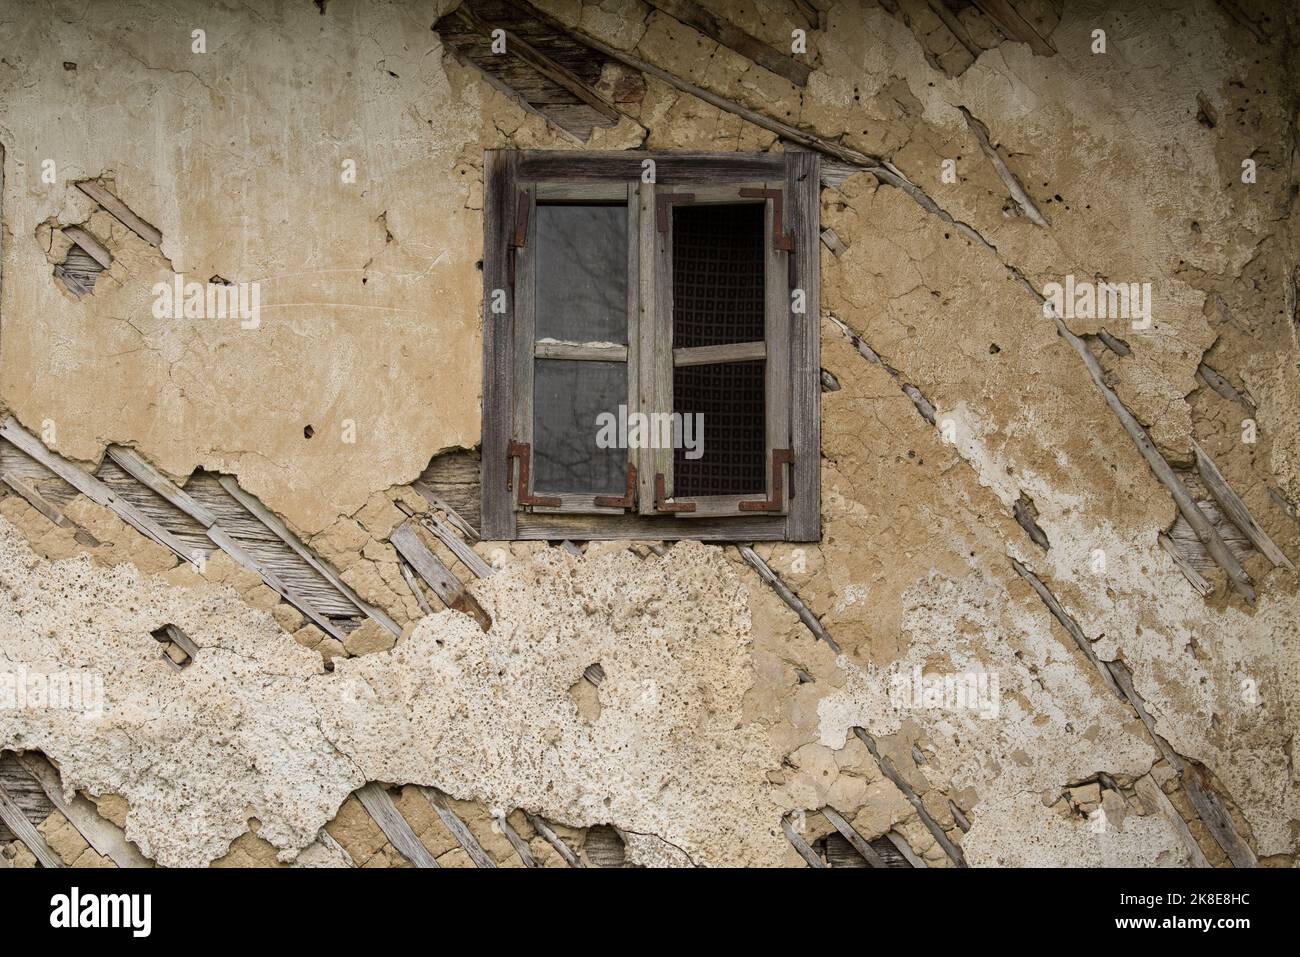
[(521, 219), (780, 459), (628, 500), (524, 453), (665, 200), (780, 239), (661, 500)]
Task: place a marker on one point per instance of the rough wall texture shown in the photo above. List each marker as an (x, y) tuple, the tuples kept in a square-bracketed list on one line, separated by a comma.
[(720, 713)]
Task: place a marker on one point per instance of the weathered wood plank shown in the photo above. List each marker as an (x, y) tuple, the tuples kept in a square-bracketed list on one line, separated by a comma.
[(517, 842), (789, 597), (14, 819), (92, 488), (799, 844), (589, 351), (905, 849), (464, 837), (1157, 802), (430, 567), (395, 827), (497, 519), (803, 219), (90, 243), (1235, 509), (1187, 568), (851, 835), (147, 475), (671, 169), (35, 499), (730, 352), (286, 535), (100, 833), (121, 212), (461, 549), (553, 839), (761, 528)]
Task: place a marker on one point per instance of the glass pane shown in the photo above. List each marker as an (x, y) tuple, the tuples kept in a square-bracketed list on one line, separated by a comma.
[(582, 273), (727, 425), (568, 396), (717, 275)]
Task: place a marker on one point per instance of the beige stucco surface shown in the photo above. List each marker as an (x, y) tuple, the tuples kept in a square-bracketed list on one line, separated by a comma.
[(721, 713)]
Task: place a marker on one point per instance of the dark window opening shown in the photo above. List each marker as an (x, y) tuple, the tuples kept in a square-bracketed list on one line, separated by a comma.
[(718, 291), (730, 398)]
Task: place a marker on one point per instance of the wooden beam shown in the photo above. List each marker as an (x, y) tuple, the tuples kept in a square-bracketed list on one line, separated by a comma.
[(286, 535), (35, 499), (120, 211), (12, 817), (731, 36), (467, 555), (100, 833), (1157, 802), (905, 849), (395, 827), (459, 831), (731, 352)]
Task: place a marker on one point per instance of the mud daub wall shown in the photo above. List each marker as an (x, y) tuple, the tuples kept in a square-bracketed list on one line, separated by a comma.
[(1004, 494)]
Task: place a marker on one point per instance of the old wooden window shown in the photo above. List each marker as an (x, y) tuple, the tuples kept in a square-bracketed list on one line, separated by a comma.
[(651, 349)]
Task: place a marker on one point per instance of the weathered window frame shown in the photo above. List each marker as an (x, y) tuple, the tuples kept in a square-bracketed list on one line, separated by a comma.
[(789, 186)]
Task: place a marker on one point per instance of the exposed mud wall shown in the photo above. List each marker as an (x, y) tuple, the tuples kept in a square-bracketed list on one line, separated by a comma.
[(957, 406)]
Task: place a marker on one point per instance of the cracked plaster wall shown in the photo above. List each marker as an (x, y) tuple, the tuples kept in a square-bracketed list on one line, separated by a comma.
[(914, 564)]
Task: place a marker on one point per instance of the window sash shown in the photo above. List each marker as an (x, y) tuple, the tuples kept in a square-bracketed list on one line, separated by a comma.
[(529, 349)]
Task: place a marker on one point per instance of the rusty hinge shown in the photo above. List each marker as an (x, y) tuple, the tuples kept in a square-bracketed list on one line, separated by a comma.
[(524, 453), (780, 240), (665, 200), (628, 500), (780, 458), (521, 219), (661, 501)]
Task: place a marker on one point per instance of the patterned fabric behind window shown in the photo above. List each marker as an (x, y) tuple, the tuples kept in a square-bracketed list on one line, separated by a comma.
[(717, 274), (730, 397)]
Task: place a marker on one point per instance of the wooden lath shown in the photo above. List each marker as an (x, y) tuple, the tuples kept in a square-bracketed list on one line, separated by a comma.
[(545, 68), (211, 512)]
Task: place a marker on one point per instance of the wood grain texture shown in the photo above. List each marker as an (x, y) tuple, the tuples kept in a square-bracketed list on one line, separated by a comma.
[(497, 518), (395, 827), (803, 221)]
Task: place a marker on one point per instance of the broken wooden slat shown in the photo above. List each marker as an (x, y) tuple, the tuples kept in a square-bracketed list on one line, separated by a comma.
[(789, 597), (429, 567), (100, 833), (147, 475), (734, 38), (395, 827), (553, 839), (1009, 179), (1235, 509), (955, 27), (799, 844), (850, 834), (222, 540), (517, 842), (832, 241), (1223, 387), (1067, 622), (35, 499), (121, 212), (888, 769), (784, 130), (1010, 22), (1206, 532), (1157, 802), (286, 535), (1187, 568), (91, 487), (905, 849), (327, 839), (14, 819), (414, 585), (543, 64), (88, 242), (464, 837), (467, 555)]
